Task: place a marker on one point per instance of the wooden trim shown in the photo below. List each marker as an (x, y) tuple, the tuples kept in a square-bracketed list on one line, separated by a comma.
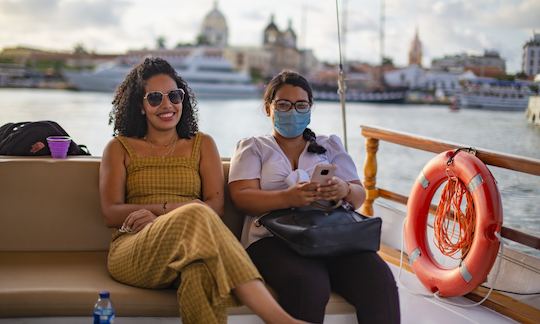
[(500, 303), (503, 160), (390, 195), (370, 176), (393, 196), (520, 237)]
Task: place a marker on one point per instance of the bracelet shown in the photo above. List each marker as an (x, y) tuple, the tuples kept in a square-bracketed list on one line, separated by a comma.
[(164, 207), (350, 189)]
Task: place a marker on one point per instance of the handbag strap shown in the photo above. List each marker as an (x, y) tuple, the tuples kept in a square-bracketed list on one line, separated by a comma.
[(318, 205)]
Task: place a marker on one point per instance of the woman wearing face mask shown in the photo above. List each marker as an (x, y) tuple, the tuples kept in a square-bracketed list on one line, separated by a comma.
[(272, 172), (161, 186)]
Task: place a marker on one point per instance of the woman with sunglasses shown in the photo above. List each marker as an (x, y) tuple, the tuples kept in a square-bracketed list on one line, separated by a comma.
[(161, 186), (271, 172)]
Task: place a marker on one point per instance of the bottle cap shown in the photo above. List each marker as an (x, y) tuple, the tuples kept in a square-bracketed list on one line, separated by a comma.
[(104, 294)]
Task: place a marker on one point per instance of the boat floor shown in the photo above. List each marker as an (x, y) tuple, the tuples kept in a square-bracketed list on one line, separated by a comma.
[(414, 309)]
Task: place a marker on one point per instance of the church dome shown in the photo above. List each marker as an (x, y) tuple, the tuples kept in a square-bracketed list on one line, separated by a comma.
[(214, 28), (215, 19)]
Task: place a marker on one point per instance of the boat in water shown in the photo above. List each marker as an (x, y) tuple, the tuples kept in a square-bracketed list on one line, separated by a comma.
[(207, 75), (386, 96), (67, 271), (494, 94)]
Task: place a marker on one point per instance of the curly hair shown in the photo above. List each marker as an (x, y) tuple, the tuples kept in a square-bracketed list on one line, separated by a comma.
[(297, 80), (128, 101)]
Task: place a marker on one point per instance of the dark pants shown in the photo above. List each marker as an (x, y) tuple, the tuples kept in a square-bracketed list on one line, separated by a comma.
[(303, 285)]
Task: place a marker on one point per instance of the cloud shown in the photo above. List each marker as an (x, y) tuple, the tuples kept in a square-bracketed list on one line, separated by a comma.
[(446, 27), (60, 14), (254, 15), (524, 15), (33, 8), (93, 13)]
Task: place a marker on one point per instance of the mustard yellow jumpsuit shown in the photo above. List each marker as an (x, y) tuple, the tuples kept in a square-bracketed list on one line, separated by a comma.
[(189, 244)]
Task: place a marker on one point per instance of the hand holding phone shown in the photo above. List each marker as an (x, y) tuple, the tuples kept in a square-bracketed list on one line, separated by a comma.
[(323, 172)]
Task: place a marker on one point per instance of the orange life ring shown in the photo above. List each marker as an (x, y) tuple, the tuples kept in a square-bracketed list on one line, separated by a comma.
[(475, 267)]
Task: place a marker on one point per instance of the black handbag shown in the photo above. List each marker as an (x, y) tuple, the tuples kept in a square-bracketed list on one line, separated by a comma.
[(324, 233)]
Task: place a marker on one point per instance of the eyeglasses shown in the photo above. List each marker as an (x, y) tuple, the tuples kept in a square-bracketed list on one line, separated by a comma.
[(155, 98), (284, 105)]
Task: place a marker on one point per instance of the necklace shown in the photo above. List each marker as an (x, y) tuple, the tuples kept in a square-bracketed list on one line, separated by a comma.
[(170, 147)]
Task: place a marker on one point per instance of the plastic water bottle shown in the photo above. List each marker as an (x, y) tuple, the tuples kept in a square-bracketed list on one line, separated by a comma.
[(103, 310)]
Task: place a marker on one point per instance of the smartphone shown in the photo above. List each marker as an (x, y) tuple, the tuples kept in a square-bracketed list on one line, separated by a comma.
[(323, 172)]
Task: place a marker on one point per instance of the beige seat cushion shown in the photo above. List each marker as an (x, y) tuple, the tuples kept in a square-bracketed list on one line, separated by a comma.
[(67, 284), (53, 244), (54, 205)]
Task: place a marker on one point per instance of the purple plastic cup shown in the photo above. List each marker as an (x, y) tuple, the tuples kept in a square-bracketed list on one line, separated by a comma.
[(59, 145)]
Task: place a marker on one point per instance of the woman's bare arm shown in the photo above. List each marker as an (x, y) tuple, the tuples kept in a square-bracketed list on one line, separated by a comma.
[(211, 171), (112, 186), (248, 196)]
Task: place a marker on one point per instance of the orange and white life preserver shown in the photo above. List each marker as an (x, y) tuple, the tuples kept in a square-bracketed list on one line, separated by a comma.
[(476, 265)]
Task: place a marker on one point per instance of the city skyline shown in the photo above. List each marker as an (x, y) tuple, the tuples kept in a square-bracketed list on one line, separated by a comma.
[(445, 27)]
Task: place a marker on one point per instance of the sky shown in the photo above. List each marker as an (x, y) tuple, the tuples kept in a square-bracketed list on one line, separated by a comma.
[(446, 27)]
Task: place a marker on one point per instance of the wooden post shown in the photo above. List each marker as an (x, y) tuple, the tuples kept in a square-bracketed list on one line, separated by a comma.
[(370, 176)]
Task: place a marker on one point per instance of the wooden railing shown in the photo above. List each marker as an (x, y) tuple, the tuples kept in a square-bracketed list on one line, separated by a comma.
[(374, 135)]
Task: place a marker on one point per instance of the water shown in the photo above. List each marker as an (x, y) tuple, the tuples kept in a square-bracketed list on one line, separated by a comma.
[(84, 115)]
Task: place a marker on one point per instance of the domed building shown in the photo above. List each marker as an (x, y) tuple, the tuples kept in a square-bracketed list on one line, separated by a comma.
[(281, 45), (272, 36), (271, 33), (289, 36), (214, 30)]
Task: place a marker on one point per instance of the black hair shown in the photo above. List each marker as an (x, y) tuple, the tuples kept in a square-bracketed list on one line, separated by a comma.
[(297, 80), (128, 101)]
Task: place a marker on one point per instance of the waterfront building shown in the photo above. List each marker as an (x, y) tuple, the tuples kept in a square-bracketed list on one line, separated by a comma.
[(214, 30), (282, 48), (415, 51), (279, 49), (416, 78), (32, 57), (531, 56), (491, 64), (252, 59)]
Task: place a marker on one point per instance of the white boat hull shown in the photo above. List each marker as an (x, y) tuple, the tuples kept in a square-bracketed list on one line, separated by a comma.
[(95, 82), (492, 103)]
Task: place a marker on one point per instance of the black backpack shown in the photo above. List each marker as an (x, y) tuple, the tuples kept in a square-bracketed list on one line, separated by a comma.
[(30, 139)]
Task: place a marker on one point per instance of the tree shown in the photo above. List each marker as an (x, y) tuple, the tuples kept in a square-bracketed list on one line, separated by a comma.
[(160, 42), (202, 40), (387, 61), (79, 49), (183, 44), (521, 75)]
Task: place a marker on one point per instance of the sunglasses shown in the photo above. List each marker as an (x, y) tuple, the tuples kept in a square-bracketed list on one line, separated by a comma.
[(155, 98)]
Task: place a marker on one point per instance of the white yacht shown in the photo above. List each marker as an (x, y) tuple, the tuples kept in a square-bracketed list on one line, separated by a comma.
[(494, 95), (207, 75)]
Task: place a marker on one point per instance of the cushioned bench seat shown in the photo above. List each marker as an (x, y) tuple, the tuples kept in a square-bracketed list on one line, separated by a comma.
[(53, 245), (66, 283)]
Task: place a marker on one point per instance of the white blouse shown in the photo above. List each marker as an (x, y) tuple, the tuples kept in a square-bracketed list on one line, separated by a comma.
[(262, 158)]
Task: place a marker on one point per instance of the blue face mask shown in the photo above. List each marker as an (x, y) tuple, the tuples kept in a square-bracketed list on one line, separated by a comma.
[(291, 123)]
